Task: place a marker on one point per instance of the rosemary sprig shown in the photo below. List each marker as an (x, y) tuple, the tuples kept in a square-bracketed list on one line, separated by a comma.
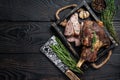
[(93, 41), (64, 55), (107, 18)]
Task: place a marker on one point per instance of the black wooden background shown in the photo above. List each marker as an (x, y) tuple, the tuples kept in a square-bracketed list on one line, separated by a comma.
[(25, 26)]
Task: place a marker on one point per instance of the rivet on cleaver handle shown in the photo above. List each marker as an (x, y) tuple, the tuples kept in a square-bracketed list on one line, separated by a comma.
[(45, 49)]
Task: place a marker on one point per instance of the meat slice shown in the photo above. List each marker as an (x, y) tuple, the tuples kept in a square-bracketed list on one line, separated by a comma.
[(69, 30), (72, 27), (76, 25), (74, 39)]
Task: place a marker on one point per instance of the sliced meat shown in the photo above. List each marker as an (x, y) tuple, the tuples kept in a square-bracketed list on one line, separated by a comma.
[(72, 27), (77, 41), (69, 30), (74, 39), (71, 39), (76, 25)]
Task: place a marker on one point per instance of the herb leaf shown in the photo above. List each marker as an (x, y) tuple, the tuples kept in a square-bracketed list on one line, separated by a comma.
[(107, 18), (65, 56)]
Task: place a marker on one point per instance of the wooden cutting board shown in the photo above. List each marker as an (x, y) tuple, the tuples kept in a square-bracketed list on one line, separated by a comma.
[(20, 58)]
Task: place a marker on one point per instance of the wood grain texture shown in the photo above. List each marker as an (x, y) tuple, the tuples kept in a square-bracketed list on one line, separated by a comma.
[(23, 36), (20, 58), (31, 10), (117, 16), (20, 54), (36, 10)]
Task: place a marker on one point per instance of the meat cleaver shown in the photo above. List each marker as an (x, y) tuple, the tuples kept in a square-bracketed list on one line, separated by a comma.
[(45, 49)]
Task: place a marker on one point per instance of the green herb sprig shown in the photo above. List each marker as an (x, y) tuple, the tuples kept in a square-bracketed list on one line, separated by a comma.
[(93, 41), (64, 55), (107, 18)]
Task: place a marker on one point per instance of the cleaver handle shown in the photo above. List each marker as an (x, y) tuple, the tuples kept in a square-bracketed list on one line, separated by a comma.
[(71, 75)]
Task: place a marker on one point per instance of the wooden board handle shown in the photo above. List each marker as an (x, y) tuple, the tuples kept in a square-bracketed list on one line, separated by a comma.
[(63, 8), (97, 66), (71, 75)]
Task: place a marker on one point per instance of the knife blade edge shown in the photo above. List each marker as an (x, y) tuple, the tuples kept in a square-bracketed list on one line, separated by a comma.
[(53, 58)]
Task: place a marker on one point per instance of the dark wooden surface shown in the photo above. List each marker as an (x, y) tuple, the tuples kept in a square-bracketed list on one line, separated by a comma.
[(25, 27)]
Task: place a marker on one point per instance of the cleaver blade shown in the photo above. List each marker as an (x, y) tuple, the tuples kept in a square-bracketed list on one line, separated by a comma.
[(47, 51)]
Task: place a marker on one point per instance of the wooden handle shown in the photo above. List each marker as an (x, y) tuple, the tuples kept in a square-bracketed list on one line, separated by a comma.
[(71, 75), (63, 8), (96, 66)]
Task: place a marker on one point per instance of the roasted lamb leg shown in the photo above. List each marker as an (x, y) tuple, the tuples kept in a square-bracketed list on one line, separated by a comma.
[(88, 34), (93, 38)]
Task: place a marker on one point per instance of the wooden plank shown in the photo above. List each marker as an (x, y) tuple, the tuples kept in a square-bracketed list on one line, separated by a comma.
[(27, 61), (37, 65), (20, 58), (117, 16), (23, 36), (36, 10), (21, 61), (29, 36), (31, 10)]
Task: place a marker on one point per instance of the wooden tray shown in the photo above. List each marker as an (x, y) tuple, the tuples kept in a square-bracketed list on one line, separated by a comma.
[(56, 26)]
